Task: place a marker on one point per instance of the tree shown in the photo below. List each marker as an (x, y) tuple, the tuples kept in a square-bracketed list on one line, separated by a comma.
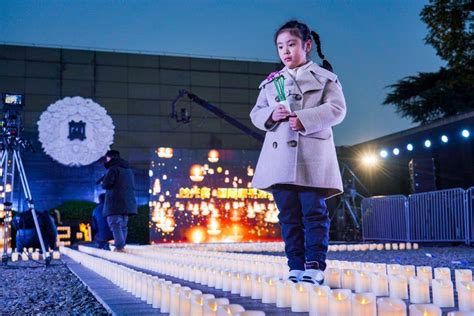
[(429, 96)]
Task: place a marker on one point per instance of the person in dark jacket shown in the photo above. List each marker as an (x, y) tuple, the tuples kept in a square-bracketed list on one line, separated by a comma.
[(120, 200), (100, 227)]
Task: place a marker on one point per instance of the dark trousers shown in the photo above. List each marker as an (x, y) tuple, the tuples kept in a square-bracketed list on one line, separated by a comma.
[(304, 223), (118, 226)]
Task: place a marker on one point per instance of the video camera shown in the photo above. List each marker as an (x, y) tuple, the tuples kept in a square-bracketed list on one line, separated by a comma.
[(10, 122)]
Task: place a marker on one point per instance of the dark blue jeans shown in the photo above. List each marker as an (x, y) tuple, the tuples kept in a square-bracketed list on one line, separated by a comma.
[(304, 223), (118, 226)]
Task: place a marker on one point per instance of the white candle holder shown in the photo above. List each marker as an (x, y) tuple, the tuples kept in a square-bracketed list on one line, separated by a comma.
[(419, 290), (300, 297), (364, 304), (443, 293), (283, 293), (319, 300), (466, 296), (340, 302), (424, 310), (398, 286), (391, 307)]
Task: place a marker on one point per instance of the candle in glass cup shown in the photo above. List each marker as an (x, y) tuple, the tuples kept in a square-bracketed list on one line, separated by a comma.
[(424, 310), (425, 272), (466, 296), (14, 256), (174, 299), (165, 297), (443, 293), (394, 269), (231, 309), (416, 246), (246, 285), (419, 290), (362, 282), (409, 271), (197, 302), (462, 275), (348, 279), (235, 285), (388, 246), (402, 246), (227, 281), (256, 286), (391, 307), (319, 300), (408, 245), (394, 246), (398, 286), (283, 293), (35, 255), (380, 268), (24, 256), (268, 290), (332, 278), (368, 267), (300, 297), (380, 247), (340, 302), (442, 273), (364, 304), (210, 306), (379, 284), (220, 275), (185, 295)]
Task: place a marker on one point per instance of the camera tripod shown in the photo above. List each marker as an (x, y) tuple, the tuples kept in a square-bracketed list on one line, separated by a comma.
[(10, 162), (348, 198)]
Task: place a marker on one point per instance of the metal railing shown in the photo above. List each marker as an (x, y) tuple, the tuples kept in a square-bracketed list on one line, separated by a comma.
[(470, 215), (385, 218), (438, 216)]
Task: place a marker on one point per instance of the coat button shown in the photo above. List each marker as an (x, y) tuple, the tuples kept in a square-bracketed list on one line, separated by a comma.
[(275, 144), (298, 97), (277, 99), (292, 143)]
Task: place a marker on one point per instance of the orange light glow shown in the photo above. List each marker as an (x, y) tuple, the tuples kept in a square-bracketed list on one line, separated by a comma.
[(213, 156), (196, 173)]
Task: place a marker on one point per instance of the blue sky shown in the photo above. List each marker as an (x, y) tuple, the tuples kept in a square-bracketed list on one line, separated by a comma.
[(370, 43)]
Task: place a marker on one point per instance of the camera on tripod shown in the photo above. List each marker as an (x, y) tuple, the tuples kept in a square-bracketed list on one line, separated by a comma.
[(10, 122)]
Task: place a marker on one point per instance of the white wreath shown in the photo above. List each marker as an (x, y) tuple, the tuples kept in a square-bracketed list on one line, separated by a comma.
[(53, 127)]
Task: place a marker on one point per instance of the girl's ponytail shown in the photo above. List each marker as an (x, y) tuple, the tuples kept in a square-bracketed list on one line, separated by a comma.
[(326, 65)]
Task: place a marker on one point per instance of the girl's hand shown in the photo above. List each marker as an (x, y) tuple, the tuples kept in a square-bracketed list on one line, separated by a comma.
[(280, 113), (295, 123)]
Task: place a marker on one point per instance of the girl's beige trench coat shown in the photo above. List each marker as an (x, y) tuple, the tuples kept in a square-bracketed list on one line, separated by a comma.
[(308, 157)]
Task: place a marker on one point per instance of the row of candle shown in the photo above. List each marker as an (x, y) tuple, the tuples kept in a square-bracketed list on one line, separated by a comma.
[(272, 289), (279, 246), (169, 297), (24, 256), (258, 264)]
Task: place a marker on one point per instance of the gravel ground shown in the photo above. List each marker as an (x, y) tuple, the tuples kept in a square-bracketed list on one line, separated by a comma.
[(30, 288)]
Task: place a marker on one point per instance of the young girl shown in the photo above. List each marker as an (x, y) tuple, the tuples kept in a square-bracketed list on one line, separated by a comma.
[(298, 162)]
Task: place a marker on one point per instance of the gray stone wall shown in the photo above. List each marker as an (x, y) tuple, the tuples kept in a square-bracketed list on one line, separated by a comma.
[(137, 91)]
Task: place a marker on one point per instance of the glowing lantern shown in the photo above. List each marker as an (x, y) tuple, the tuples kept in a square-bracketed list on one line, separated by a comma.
[(168, 225), (164, 152), (8, 187), (271, 217), (219, 169), (235, 216), (226, 180), (213, 156), (213, 228), (197, 236), (156, 187), (196, 173), (250, 171)]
